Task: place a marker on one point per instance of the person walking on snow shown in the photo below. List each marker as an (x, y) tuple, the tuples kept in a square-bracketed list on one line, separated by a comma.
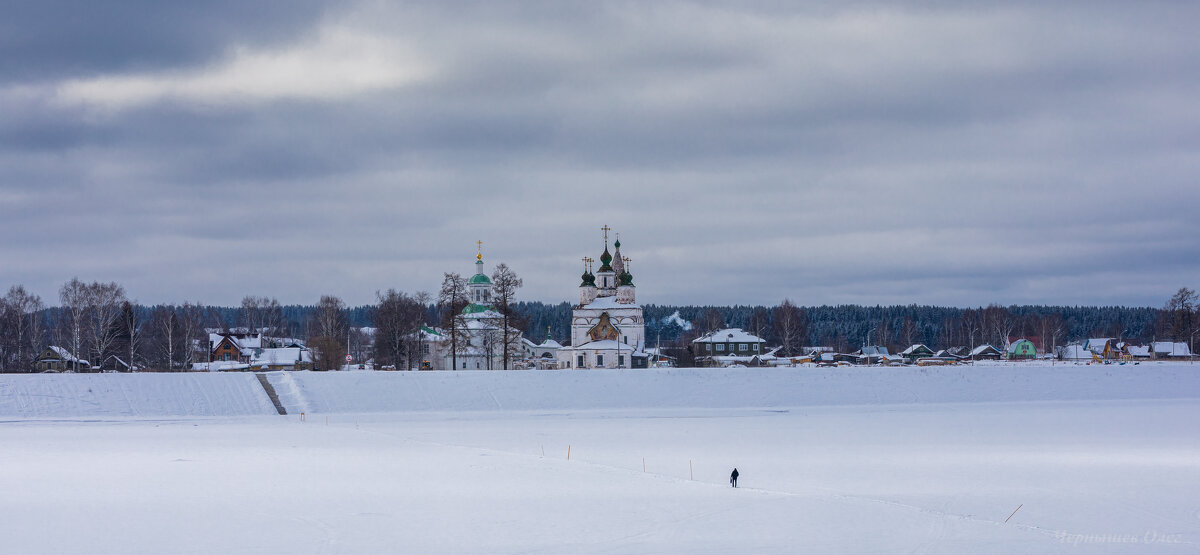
[(733, 478)]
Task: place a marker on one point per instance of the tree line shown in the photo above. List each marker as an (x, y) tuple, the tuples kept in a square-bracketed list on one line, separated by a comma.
[(99, 323)]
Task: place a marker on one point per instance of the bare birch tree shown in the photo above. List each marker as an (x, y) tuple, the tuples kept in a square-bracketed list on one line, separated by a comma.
[(164, 342), (790, 325), (452, 298), (505, 284), (104, 311), (131, 331), (21, 320), (74, 298)]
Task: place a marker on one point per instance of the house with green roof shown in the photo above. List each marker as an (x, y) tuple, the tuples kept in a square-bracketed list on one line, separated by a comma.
[(1021, 349)]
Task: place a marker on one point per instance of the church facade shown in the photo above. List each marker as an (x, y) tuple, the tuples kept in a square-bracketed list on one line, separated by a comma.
[(607, 327)]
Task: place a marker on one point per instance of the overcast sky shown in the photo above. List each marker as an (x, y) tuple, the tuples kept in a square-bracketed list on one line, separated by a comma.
[(844, 152)]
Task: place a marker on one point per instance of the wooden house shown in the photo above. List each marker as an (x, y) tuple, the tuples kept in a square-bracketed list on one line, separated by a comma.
[(985, 352), (915, 352), (58, 359)]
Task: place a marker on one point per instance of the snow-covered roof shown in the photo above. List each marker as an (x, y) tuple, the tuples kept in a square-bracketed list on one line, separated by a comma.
[(1076, 352), (66, 355), (243, 341), (983, 348), (729, 335), (1096, 345), (550, 344), (874, 350), (608, 303), (220, 366), (1138, 350), (945, 353), (1012, 347), (1171, 349), (282, 355), (913, 349), (609, 345)]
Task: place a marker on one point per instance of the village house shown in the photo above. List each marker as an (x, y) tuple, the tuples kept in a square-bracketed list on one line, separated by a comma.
[(729, 342), (58, 359), (1167, 350), (915, 352), (1103, 347), (985, 352)]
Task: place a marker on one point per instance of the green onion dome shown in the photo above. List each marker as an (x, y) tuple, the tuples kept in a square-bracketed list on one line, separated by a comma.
[(606, 261)]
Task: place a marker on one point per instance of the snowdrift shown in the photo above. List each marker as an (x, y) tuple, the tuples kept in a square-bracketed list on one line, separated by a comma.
[(237, 394)]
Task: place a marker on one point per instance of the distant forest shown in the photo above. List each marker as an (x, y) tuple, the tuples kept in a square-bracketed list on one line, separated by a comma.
[(100, 322), (848, 327), (844, 326)]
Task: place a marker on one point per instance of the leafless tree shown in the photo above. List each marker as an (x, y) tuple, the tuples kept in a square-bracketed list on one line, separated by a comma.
[(165, 337), (131, 332), (104, 311), (1178, 315), (260, 314), (397, 321), (712, 320), (328, 330), (909, 331), (1057, 329), (972, 326), (422, 299), (194, 337), (272, 317), (948, 334), (20, 314), (998, 325), (174, 337), (790, 325), (452, 298), (505, 284), (74, 298), (250, 315), (760, 322)]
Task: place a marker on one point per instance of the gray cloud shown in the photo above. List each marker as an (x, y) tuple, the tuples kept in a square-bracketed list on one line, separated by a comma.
[(868, 153)]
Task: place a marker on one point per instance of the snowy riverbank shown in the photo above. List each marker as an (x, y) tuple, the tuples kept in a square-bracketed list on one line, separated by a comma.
[(238, 394)]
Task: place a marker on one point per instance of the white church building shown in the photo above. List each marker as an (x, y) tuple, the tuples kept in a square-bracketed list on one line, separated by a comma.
[(607, 328), (481, 346)]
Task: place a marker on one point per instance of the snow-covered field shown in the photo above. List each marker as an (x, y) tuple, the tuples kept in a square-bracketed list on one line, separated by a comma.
[(1100, 459)]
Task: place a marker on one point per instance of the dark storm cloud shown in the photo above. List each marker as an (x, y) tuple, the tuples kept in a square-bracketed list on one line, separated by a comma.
[(863, 152), (51, 39)]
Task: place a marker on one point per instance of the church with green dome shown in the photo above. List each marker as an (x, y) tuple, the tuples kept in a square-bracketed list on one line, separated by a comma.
[(607, 327)]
